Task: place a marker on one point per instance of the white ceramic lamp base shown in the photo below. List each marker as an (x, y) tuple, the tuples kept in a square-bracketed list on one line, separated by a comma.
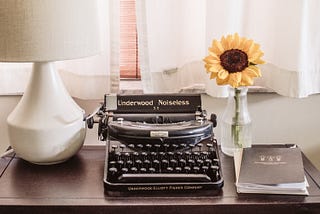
[(47, 126)]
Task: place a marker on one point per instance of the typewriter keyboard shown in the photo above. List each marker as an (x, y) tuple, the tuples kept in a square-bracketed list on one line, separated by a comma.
[(172, 164)]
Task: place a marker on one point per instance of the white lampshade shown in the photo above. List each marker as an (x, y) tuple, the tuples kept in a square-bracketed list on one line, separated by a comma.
[(48, 30), (47, 126)]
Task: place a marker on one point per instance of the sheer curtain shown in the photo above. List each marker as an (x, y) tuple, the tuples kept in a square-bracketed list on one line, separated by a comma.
[(174, 37), (87, 78)]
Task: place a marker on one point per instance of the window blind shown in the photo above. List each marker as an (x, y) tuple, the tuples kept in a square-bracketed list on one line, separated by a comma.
[(129, 63)]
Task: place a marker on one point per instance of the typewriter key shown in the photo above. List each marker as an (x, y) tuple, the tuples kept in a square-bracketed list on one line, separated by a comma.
[(124, 170), (120, 163), (199, 145), (122, 146), (133, 169), (152, 170), (182, 162), (166, 146), (117, 155), (113, 171), (131, 146), (165, 163), (204, 169), (138, 162), (135, 155), (126, 155), (173, 162), (156, 164), (144, 155), (205, 153), (146, 163), (208, 162), (210, 146), (196, 155), (169, 169), (187, 169), (112, 163), (157, 146), (175, 146), (216, 162), (196, 169), (148, 147), (199, 162), (114, 147), (170, 155), (178, 169), (128, 163), (191, 162), (139, 146), (178, 154)]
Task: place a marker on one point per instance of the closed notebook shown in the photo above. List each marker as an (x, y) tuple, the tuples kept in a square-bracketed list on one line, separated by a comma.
[(270, 170)]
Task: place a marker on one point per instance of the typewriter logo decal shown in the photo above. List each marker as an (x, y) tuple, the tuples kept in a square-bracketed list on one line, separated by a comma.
[(159, 134)]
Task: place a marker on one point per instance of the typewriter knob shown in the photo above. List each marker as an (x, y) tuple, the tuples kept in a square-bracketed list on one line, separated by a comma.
[(213, 119), (120, 120), (204, 113), (160, 119), (90, 122)]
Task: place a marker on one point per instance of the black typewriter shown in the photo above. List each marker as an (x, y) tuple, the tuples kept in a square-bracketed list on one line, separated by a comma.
[(158, 143)]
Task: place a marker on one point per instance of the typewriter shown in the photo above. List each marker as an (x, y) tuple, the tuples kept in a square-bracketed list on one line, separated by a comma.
[(158, 143)]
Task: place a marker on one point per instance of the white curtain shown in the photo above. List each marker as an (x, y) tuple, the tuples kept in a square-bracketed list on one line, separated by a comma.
[(174, 37), (87, 78)]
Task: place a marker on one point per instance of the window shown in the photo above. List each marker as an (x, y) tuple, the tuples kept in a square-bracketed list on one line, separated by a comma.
[(129, 63)]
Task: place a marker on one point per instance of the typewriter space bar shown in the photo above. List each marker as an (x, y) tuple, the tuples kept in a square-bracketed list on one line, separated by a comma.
[(162, 177)]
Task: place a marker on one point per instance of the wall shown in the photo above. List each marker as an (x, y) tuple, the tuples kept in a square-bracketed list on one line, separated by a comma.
[(276, 119)]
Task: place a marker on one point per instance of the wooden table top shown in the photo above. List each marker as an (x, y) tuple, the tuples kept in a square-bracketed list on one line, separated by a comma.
[(76, 186)]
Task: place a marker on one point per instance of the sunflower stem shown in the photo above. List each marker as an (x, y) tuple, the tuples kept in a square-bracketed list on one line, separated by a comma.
[(236, 126)]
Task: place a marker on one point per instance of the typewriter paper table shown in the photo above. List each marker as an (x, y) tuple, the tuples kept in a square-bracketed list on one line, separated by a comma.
[(76, 186)]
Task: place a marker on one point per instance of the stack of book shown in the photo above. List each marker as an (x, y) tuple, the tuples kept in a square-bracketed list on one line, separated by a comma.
[(268, 170)]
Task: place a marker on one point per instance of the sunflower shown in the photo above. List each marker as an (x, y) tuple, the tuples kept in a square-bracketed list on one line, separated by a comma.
[(233, 61)]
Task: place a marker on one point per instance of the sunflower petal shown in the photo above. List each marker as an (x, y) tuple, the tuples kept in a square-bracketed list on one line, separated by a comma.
[(253, 71), (246, 79), (241, 43), (258, 61), (225, 43), (217, 47), (247, 45), (254, 58), (223, 74), (235, 79), (238, 76), (236, 41), (213, 67), (211, 60), (254, 49), (213, 75), (213, 55), (222, 81)]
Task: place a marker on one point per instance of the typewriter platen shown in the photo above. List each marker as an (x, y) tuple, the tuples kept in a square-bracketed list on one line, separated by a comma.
[(158, 143)]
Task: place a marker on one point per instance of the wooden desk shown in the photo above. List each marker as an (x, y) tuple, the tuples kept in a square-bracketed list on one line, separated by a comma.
[(76, 186)]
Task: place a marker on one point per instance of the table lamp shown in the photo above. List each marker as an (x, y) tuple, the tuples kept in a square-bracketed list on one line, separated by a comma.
[(47, 126)]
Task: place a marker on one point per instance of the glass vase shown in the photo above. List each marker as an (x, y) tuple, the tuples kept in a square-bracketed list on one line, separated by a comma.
[(236, 129)]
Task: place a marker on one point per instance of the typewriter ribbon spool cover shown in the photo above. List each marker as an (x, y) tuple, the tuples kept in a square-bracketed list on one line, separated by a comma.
[(159, 143)]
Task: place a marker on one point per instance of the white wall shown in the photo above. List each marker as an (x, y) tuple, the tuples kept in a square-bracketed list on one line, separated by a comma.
[(276, 119)]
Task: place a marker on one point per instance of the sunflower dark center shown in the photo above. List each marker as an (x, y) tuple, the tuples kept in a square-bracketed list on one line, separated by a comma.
[(234, 60)]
